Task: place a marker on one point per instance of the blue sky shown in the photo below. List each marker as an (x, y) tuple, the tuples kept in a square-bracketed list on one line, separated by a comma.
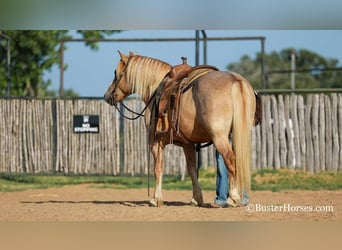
[(90, 72)]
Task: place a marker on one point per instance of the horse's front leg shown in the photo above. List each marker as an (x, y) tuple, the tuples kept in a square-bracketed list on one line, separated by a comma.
[(190, 156), (157, 152)]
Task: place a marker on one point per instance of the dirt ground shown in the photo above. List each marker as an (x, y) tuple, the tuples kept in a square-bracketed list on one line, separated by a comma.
[(85, 203)]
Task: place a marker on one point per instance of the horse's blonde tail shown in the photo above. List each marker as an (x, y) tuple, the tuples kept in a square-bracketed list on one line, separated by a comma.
[(242, 124)]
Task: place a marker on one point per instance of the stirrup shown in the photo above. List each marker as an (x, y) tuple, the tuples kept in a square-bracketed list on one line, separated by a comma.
[(162, 125)]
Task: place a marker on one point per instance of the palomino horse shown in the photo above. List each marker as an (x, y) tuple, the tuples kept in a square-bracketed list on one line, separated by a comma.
[(217, 104)]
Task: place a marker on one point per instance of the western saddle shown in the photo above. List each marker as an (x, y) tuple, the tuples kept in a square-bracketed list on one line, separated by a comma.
[(180, 79)]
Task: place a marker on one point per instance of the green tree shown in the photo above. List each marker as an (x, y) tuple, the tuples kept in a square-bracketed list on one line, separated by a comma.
[(32, 53), (278, 67)]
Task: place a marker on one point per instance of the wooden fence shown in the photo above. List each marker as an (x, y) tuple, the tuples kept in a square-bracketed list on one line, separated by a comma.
[(36, 136), (299, 132)]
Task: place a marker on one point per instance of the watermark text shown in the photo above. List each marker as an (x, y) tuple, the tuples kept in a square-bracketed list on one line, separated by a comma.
[(288, 208)]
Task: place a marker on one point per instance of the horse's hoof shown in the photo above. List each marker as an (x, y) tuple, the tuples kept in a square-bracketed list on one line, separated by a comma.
[(154, 203), (232, 203), (194, 203)]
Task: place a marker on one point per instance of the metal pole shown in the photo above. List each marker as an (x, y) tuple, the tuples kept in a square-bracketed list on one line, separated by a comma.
[(197, 47), (61, 69), (293, 69), (263, 76), (204, 47)]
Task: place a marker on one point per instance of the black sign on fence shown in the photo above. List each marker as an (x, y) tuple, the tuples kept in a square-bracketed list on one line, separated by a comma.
[(86, 123)]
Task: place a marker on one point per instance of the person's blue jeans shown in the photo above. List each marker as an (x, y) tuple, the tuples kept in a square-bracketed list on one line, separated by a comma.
[(222, 183)]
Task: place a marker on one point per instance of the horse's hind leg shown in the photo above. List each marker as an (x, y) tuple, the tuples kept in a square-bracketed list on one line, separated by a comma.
[(224, 148), (157, 152), (190, 156)]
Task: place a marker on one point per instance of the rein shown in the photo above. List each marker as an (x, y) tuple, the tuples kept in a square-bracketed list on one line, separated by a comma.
[(138, 115), (132, 111)]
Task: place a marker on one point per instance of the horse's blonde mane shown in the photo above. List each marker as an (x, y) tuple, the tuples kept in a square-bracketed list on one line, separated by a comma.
[(144, 74)]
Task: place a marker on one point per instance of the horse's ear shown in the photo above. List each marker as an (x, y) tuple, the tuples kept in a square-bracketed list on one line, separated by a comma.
[(123, 57), (131, 53)]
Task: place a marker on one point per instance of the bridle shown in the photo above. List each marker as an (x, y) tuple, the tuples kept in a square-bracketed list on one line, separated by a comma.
[(123, 88), (126, 91)]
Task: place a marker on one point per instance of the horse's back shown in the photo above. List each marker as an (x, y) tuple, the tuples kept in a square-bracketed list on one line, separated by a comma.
[(214, 90), (208, 108)]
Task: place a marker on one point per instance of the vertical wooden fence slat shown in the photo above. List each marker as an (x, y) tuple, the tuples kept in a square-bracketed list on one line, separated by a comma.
[(143, 150), (5, 141), (28, 133), (340, 129), (315, 131), (136, 150), (105, 140), (282, 132), (37, 135), (328, 138), (308, 135), (117, 144), (145, 146), (10, 141), (294, 120), (291, 160), (204, 157), (322, 132), (263, 154), (13, 132), (269, 132), (334, 132), (75, 143), (61, 139), (131, 148), (301, 131), (57, 126), (97, 160), (3, 137), (275, 122), (23, 147), (75, 150), (258, 146), (70, 151), (212, 159)]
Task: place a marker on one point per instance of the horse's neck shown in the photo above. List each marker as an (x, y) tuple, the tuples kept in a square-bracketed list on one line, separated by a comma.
[(151, 94)]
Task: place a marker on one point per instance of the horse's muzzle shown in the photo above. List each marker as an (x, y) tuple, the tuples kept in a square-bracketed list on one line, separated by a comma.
[(110, 100)]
